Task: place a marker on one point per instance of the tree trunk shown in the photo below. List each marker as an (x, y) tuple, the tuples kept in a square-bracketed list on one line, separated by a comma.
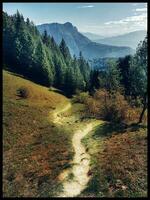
[(143, 111), (142, 115)]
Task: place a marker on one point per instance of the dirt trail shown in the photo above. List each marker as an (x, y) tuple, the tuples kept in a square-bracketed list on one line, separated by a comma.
[(81, 161), (57, 114), (81, 165)]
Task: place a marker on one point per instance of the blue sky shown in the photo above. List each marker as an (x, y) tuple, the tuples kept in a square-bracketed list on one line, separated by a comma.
[(101, 18)]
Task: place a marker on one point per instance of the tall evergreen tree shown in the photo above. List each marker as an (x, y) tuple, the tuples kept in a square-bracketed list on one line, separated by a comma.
[(65, 51), (42, 72), (70, 85), (46, 39), (94, 80), (138, 75), (59, 72), (78, 77), (124, 67), (85, 70), (113, 76)]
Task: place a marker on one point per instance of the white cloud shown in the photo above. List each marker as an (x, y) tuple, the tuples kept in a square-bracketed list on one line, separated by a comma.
[(136, 18), (137, 21), (115, 22), (141, 9), (116, 27), (88, 6)]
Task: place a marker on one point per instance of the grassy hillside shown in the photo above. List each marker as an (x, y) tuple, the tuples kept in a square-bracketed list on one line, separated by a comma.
[(34, 149), (119, 162)]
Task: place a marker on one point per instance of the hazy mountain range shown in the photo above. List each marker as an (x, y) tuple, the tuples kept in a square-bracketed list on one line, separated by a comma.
[(129, 39), (93, 36), (78, 42)]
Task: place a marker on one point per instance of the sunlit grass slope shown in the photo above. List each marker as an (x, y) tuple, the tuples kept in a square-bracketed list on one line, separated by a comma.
[(34, 150)]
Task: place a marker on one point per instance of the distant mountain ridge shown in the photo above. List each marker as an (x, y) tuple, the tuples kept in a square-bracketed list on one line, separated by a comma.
[(129, 39), (92, 36), (78, 42), (68, 32)]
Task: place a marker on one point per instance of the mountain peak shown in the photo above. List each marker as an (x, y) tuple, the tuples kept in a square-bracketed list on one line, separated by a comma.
[(69, 25)]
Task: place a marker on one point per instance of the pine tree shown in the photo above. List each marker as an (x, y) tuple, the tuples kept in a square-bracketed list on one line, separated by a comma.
[(65, 51), (46, 38), (59, 72), (113, 76), (78, 77), (94, 80), (28, 22), (69, 86), (124, 67), (43, 73), (19, 22), (138, 75), (85, 70)]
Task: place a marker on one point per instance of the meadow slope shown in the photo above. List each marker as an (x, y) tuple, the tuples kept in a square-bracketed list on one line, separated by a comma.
[(34, 149), (50, 147)]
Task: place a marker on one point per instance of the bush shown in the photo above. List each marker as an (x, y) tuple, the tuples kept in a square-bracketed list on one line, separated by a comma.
[(80, 97), (108, 106), (115, 108), (23, 92), (92, 107)]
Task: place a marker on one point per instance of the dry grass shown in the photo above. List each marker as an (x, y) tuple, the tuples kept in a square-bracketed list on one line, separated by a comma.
[(38, 95), (34, 150), (123, 163), (119, 162)]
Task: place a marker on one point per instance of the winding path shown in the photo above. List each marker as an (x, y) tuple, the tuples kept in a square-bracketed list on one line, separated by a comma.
[(56, 114), (81, 165), (81, 161)]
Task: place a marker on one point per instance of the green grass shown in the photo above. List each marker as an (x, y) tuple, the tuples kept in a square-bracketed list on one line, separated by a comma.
[(35, 150)]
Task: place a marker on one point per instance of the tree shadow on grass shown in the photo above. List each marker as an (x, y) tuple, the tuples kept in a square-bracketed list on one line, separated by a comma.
[(106, 130), (57, 91)]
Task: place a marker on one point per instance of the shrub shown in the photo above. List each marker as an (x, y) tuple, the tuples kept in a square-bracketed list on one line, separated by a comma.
[(115, 108), (81, 97), (23, 92), (108, 106), (92, 107)]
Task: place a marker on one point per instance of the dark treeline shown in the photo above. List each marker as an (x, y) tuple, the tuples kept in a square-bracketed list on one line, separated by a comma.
[(39, 58)]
